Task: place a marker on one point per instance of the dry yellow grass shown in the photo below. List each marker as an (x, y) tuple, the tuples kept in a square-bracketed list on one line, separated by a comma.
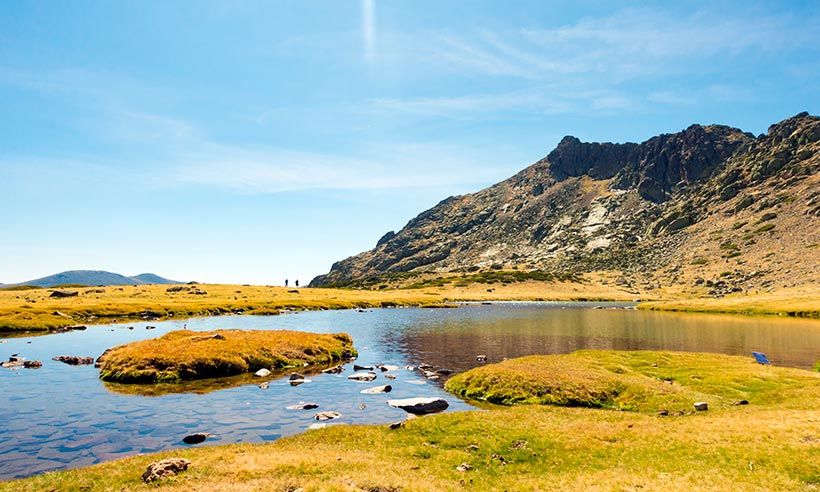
[(35, 310), (772, 443), (799, 301), (184, 355)]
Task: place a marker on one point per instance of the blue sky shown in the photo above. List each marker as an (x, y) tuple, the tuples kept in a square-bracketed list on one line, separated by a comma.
[(250, 142)]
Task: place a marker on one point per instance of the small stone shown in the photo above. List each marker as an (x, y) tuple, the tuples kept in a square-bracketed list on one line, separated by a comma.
[(464, 467), (663, 413), (377, 389), (333, 370), (196, 438), (387, 367), (420, 406), (327, 415), (742, 402), (395, 425), (390, 376), (362, 376), (357, 367), (262, 373), (32, 364), (701, 406), (444, 372), (303, 406), (481, 358), (317, 426), (165, 468)]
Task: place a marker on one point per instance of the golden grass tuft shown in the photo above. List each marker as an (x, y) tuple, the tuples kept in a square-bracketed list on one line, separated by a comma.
[(185, 355)]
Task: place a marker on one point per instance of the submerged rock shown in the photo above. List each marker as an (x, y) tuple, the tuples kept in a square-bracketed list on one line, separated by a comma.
[(74, 360), (420, 406), (165, 468)]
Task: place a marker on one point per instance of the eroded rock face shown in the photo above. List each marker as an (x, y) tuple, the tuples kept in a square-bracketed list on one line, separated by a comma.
[(165, 468), (603, 206)]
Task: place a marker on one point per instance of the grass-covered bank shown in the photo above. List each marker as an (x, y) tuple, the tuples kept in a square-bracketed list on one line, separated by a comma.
[(35, 310), (771, 443), (800, 302), (188, 355)]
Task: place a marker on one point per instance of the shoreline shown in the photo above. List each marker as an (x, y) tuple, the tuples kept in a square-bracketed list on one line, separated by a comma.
[(32, 312)]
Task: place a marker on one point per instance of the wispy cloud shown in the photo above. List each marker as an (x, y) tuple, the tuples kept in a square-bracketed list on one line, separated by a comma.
[(631, 43), (369, 30)]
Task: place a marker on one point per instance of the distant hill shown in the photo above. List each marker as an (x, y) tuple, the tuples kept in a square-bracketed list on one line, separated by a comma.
[(711, 208), (96, 277)]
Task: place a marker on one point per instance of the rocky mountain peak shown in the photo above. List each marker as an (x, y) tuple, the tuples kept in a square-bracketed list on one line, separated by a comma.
[(630, 207)]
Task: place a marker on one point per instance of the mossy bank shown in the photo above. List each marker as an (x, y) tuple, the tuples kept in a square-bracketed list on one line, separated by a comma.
[(189, 355)]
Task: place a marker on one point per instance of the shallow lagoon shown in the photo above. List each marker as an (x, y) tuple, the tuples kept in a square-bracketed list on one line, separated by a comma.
[(61, 416)]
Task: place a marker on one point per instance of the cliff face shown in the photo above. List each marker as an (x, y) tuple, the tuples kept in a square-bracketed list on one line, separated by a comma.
[(640, 209)]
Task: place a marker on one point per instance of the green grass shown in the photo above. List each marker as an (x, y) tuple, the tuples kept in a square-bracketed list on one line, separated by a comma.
[(188, 355), (770, 443), (764, 228), (631, 381)]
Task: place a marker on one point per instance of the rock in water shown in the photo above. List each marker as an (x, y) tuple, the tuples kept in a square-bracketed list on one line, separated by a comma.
[(362, 376), (378, 389), (196, 438), (32, 364), (333, 370), (303, 406), (327, 415), (701, 406), (165, 468), (262, 373), (481, 358), (74, 360), (420, 406), (297, 379), (388, 367), (357, 367)]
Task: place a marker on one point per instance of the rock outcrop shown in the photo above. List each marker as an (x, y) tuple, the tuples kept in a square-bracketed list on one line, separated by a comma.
[(650, 211)]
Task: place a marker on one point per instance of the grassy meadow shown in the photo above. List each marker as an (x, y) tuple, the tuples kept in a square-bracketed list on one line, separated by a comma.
[(35, 310), (771, 443)]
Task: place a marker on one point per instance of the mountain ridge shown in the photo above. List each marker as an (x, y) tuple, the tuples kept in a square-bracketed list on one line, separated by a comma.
[(638, 209), (94, 278)]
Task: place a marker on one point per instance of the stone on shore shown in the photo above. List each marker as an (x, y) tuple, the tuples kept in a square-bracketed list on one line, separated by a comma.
[(165, 468), (420, 406)]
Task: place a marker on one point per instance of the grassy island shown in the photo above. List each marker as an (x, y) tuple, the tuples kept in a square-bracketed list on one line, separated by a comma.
[(188, 355), (641, 381), (772, 443)]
